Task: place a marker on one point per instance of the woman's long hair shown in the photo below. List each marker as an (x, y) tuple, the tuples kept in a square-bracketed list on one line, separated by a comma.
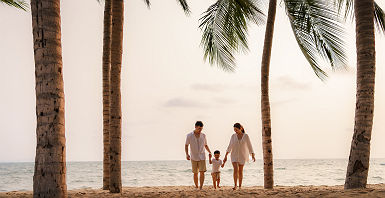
[(239, 126)]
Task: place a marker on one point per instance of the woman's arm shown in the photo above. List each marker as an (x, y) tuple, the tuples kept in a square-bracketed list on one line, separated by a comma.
[(225, 159), (250, 147)]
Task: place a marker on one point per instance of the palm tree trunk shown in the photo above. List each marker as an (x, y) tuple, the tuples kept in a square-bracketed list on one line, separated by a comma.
[(265, 103), (106, 93), (116, 111), (358, 166), (49, 178)]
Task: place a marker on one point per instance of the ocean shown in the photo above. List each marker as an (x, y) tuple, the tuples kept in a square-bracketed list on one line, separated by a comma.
[(287, 172)]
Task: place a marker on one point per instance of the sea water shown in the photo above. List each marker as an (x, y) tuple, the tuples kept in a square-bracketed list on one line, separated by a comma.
[(18, 176)]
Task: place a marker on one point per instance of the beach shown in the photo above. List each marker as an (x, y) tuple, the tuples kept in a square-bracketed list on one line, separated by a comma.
[(373, 190)]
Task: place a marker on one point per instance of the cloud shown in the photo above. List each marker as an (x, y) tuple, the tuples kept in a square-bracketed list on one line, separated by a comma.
[(182, 102), (224, 100), (208, 87), (290, 84)]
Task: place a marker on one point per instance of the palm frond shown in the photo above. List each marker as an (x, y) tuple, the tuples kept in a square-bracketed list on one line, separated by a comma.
[(379, 18), (20, 4), (148, 3), (225, 26), (346, 6), (185, 6), (319, 33)]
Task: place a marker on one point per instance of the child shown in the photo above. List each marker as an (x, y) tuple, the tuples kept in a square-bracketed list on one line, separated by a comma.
[(215, 173)]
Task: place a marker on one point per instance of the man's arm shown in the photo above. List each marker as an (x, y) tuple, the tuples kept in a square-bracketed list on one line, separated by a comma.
[(186, 150), (208, 150), (210, 162)]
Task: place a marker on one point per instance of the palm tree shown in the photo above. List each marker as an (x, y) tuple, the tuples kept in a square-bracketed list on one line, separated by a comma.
[(49, 179), (106, 91), (315, 25), (20, 4), (366, 12), (112, 62), (115, 97)]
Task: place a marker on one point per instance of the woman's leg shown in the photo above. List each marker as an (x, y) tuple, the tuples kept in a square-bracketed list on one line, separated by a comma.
[(235, 174), (240, 174)]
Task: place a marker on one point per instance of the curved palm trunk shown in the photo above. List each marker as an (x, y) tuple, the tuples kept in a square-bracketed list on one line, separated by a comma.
[(116, 111), (49, 178), (106, 93), (265, 103), (358, 166)]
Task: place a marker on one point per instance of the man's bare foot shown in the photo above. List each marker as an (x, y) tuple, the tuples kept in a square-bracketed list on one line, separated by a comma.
[(196, 186), (200, 188), (218, 186), (235, 188)]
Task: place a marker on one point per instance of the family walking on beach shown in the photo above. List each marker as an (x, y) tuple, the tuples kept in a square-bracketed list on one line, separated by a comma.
[(240, 147)]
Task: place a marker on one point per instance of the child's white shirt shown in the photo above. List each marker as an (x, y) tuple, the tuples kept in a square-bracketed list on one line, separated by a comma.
[(216, 165)]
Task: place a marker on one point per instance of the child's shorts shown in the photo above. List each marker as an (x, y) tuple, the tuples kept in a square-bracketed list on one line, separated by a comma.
[(216, 175)]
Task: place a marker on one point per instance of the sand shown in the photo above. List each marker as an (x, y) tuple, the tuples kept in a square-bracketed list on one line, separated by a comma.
[(377, 190)]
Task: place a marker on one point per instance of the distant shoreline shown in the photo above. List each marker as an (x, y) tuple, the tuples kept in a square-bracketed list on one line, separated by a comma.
[(373, 190), (377, 158)]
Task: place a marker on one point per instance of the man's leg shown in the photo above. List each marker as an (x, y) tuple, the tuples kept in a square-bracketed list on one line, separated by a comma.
[(196, 180), (201, 178), (195, 171), (202, 170)]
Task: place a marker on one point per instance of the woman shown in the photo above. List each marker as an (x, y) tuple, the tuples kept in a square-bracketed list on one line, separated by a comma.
[(240, 148)]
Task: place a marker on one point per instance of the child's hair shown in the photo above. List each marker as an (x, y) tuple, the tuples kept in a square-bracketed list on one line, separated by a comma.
[(239, 126), (199, 123), (217, 152)]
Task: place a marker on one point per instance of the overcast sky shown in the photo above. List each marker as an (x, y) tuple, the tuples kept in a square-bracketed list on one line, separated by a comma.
[(167, 86)]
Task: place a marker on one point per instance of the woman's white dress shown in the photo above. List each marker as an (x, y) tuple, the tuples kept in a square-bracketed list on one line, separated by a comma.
[(240, 149)]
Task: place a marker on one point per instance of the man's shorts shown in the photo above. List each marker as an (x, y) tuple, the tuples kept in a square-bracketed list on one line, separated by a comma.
[(216, 175), (198, 166)]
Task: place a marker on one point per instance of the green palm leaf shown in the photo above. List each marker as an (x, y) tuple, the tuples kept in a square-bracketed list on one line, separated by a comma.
[(318, 30), (17, 4), (379, 18), (346, 6), (148, 3), (183, 4), (225, 26)]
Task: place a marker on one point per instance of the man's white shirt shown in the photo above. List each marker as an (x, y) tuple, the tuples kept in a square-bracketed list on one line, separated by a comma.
[(197, 146)]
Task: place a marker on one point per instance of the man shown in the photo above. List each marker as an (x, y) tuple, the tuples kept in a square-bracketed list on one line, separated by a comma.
[(198, 143)]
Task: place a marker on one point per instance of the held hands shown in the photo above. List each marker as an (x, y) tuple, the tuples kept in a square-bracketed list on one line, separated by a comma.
[(187, 156), (210, 155)]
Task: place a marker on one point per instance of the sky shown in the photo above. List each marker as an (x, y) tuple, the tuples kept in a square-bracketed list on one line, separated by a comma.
[(167, 86)]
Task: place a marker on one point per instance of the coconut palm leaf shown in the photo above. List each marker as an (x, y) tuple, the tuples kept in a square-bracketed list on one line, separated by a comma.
[(346, 6), (379, 18), (17, 4), (185, 6), (318, 30), (225, 26), (183, 3)]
